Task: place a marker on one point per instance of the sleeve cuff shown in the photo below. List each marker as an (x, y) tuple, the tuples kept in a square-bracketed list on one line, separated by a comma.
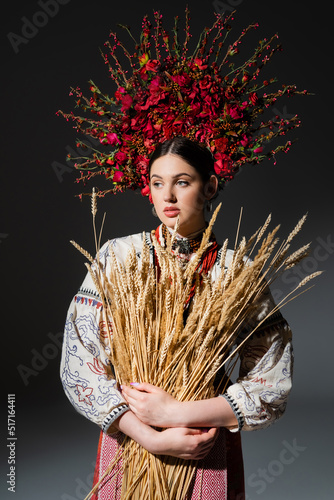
[(236, 412), (113, 415)]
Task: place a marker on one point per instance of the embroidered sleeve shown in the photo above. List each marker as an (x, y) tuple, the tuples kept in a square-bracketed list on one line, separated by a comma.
[(86, 372), (259, 396)]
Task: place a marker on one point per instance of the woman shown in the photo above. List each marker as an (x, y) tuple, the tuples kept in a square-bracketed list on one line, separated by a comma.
[(182, 182)]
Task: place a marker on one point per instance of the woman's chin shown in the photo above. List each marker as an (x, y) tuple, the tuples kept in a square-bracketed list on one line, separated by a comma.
[(169, 221)]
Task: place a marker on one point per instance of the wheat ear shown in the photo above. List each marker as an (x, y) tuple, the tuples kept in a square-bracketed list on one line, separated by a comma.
[(308, 278), (296, 256), (93, 202), (83, 251), (296, 229)]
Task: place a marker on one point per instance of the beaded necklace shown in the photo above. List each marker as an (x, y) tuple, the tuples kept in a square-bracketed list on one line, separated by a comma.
[(183, 245), (208, 258)]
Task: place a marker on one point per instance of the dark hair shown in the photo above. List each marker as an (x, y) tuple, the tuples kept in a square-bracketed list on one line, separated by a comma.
[(190, 151)]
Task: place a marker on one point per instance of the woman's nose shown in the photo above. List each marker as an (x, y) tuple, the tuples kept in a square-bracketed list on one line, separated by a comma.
[(169, 194)]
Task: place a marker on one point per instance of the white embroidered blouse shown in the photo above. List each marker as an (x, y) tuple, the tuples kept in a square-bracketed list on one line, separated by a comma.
[(258, 397)]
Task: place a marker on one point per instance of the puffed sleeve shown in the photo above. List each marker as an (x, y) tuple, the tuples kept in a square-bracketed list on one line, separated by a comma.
[(86, 372), (259, 396)]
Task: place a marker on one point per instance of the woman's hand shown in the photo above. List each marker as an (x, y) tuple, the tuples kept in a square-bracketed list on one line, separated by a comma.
[(152, 405), (186, 443)]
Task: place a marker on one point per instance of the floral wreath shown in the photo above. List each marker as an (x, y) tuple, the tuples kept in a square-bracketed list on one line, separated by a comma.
[(202, 96)]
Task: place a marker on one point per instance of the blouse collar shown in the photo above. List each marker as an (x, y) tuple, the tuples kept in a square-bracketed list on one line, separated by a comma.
[(183, 245)]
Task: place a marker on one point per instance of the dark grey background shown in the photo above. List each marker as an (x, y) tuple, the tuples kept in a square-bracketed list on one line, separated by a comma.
[(40, 270)]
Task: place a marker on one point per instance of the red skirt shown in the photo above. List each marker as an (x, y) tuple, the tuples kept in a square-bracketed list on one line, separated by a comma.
[(219, 476)]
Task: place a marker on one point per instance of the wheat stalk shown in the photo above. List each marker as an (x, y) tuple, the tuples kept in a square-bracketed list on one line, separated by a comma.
[(151, 342)]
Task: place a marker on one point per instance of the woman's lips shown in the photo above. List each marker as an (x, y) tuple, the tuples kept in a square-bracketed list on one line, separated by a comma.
[(171, 212)]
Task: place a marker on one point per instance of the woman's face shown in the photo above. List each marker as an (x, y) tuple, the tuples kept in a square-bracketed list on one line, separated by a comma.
[(177, 190)]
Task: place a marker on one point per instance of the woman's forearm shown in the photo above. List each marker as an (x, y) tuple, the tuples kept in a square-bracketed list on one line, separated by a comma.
[(154, 406), (131, 426), (189, 444), (215, 412)]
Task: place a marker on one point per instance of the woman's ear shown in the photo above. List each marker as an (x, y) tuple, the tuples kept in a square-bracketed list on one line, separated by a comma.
[(210, 188)]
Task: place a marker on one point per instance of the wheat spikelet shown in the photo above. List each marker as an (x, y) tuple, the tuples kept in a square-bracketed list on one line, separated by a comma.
[(160, 256), (148, 292), (309, 278), (223, 254), (94, 202), (117, 274), (204, 319), (296, 229), (228, 275), (253, 238), (257, 236), (296, 256), (165, 345), (134, 373), (215, 367), (83, 251), (238, 256), (138, 281), (207, 339), (264, 228), (115, 265), (265, 246), (233, 266), (131, 262), (168, 300), (232, 270)]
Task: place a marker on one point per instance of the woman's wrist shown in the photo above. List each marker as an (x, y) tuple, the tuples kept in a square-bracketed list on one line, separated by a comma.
[(182, 442), (131, 426)]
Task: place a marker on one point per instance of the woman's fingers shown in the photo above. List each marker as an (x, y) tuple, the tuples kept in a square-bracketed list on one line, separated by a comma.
[(205, 443), (144, 387), (152, 405), (188, 443), (136, 391)]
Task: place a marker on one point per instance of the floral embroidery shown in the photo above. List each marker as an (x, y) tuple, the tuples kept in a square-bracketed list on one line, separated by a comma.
[(96, 367), (84, 393), (261, 380)]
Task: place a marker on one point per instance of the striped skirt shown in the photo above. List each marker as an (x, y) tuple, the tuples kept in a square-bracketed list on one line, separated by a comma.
[(219, 476)]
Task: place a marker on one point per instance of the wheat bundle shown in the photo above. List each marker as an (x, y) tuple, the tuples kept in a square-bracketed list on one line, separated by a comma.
[(152, 342)]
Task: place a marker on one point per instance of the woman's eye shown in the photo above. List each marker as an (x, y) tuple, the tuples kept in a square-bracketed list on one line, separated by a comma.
[(157, 184), (183, 183)]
